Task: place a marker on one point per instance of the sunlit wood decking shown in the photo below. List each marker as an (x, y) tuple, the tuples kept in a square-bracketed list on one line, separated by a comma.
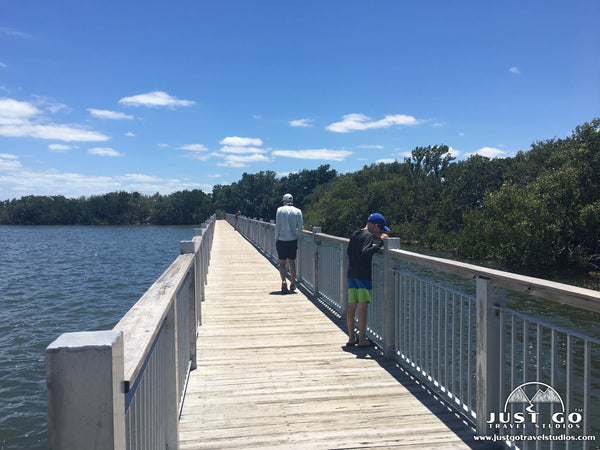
[(272, 372)]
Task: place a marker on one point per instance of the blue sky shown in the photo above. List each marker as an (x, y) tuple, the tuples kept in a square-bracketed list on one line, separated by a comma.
[(149, 96)]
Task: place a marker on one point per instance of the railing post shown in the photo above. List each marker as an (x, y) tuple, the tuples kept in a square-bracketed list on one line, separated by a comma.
[(389, 303), (84, 385), (205, 228), (316, 244), (188, 247), (203, 258), (344, 261), (488, 352), (272, 250), (171, 388)]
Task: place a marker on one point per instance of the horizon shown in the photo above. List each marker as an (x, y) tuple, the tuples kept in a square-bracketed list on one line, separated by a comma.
[(97, 98)]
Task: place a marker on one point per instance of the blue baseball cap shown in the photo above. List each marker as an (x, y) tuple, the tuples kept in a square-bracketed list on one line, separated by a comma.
[(378, 219)]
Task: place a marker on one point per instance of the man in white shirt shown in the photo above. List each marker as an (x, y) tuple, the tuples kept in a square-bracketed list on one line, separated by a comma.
[(288, 229)]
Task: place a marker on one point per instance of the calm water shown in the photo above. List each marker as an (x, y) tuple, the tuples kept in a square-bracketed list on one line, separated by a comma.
[(63, 279)]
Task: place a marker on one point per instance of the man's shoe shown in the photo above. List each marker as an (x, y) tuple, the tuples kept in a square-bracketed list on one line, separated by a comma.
[(292, 287), (284, 289)]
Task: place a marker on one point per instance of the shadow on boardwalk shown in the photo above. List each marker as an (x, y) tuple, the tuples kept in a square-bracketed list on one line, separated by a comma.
[(430, 399)]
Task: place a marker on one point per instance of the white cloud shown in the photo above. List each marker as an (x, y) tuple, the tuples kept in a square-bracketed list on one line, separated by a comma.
[(454, 152), (376, 147), (195, 151), (105, 114), (149, 184), (515, 70), (242, 150), (236, 141), (14, 33), (285, 174), (3, 66), (197, 156), (14, 112), (17, 181), (17, 119), (156, 98), (104, 151), (140, 178), (50, 105), (194, 147), (242, 160), (333, 155), (301, 123), (55, 132), (8, 162), (130, 134), (353, 122), (489, 152), (60, 148)]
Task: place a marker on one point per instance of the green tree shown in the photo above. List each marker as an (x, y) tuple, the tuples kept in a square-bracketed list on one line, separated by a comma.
[(546, 213), (302, 184)]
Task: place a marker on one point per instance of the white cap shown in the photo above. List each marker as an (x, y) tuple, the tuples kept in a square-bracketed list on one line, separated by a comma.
[(288, 198)]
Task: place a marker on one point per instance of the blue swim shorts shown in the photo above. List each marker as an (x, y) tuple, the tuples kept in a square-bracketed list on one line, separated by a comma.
[(359, 291)]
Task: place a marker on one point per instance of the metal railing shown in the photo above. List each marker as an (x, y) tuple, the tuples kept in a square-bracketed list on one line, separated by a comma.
[(124, 388), (449, 324)]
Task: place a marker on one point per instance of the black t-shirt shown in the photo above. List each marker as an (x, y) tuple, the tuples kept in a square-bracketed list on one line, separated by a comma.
[(360, 252)]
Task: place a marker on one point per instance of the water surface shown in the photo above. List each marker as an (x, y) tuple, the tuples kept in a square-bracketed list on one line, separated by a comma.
[(57, 279)]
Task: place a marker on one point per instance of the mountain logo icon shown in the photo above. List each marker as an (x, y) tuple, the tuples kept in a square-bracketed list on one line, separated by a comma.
[(543, 394)]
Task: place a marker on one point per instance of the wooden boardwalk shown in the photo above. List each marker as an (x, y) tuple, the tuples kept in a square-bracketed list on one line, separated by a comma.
[(272, 372)]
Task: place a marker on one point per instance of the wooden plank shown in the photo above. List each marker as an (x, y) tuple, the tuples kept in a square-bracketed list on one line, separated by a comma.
[(272, 373)]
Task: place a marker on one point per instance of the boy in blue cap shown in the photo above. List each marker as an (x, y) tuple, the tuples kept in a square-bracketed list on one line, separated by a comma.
[(360, 252)]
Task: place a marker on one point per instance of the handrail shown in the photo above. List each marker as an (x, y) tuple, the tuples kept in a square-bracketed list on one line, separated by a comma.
[(472, 349), (124, 388), (571, 295), (141, 324)]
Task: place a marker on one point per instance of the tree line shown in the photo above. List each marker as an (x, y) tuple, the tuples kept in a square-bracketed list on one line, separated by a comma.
[(540, 208), (115, 208)]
